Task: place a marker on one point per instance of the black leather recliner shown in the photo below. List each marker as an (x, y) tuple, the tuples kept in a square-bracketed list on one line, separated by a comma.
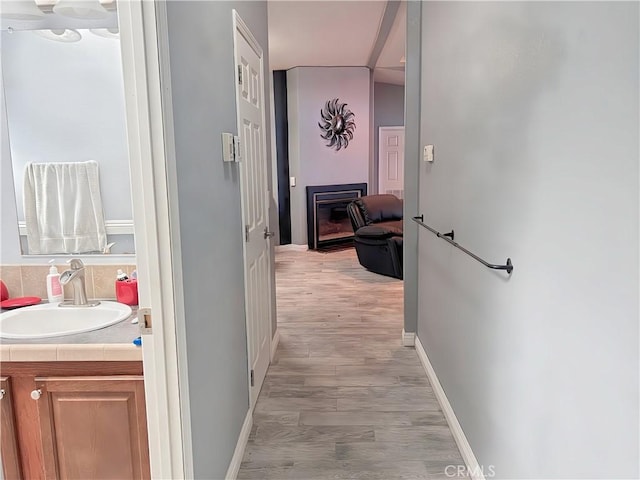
[(377, 226)]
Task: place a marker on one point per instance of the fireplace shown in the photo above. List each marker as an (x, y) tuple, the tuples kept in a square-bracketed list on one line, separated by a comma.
[(328, 223)]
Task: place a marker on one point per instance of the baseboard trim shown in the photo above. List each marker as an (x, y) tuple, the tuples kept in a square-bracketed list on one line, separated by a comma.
[(274, 344), (473, 468), (236, 460), (291, 247), (408, 338)]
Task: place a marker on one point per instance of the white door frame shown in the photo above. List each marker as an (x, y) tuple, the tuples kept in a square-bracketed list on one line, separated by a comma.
[(157, 247), (241, 28)]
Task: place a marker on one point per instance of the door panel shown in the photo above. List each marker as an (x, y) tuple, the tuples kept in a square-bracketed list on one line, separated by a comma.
[(255, 203), (391, 161), (392, 166), (93, 427)]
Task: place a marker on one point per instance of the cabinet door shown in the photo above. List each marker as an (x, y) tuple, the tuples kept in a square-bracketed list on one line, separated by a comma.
[(94, 427), (8, 433)]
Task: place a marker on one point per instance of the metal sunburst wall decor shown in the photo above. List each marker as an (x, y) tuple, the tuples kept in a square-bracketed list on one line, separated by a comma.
[(337, 124)]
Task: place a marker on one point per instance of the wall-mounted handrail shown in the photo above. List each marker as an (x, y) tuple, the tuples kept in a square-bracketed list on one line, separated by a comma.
[(449, 238)]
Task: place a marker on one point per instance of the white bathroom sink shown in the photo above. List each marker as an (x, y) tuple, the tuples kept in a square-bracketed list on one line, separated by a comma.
[(50, 320)]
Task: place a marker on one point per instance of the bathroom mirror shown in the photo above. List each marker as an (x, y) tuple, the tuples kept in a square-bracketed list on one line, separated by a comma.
[(64, 103)]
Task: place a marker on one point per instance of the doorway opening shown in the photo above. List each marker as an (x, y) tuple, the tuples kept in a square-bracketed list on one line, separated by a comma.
[(318, 90), (308, 81)]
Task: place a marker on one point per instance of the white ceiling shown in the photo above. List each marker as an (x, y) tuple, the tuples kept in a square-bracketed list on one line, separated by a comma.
[(335, 33), (389, 68)]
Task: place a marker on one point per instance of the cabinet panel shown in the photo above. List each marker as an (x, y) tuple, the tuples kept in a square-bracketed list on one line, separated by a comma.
[(93, 427), (8, 433)]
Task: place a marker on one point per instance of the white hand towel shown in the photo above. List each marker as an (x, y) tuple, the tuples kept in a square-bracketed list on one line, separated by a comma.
[(63, 208)]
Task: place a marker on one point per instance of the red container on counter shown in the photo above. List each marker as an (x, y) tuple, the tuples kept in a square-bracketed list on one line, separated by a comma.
[(127, 291)]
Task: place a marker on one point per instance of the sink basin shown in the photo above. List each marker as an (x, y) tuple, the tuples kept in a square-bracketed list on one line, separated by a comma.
[(49, 320)]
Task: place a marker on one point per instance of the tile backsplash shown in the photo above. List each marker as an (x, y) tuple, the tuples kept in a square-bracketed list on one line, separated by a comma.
[(31, 280)]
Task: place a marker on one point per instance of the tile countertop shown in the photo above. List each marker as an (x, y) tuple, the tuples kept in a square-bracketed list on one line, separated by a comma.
[(113, 343)]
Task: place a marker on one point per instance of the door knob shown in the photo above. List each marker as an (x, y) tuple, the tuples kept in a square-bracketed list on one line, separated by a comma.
[(2, 392), (267, 233), (36, 394)]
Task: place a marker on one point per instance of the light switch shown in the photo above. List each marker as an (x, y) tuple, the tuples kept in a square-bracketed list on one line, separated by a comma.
[(292, 181), (428, 153)]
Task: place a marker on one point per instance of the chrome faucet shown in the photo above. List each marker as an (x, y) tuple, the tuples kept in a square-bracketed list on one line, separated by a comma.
[(75, 276)]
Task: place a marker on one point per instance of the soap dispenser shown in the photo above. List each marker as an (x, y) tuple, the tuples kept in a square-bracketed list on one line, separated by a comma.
[(54, 288)]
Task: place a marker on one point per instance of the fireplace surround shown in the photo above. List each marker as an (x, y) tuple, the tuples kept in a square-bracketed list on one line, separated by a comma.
[(328, 223)]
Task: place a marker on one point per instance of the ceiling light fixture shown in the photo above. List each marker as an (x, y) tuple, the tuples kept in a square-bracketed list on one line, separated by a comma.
[(106, 32), (83, 9), (20, 10), (60, 35)]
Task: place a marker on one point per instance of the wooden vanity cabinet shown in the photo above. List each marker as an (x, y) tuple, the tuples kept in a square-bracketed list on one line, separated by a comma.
[(93, 427), (78, 420)]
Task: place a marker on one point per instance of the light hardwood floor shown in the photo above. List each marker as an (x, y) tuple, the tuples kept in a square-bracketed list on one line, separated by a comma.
[(344, 398)]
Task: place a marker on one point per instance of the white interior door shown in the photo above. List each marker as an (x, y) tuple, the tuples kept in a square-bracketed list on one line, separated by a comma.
[(255, 202), (391, 161)]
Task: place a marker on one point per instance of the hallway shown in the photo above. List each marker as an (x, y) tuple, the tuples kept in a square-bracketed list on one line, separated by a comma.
[(344, 398)]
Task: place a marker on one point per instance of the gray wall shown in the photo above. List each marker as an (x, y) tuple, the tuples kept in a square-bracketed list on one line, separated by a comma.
[(388, 111), (202, 77), (533, 110), (310, 160), (412, 158)]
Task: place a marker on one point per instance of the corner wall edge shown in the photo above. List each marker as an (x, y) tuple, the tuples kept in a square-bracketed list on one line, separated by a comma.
[(408, 338)]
